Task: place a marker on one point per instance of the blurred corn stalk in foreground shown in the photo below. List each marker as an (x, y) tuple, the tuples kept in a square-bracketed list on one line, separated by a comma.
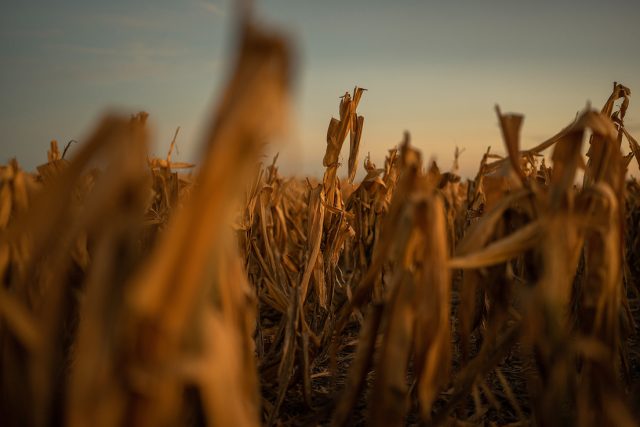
[(123, 298)]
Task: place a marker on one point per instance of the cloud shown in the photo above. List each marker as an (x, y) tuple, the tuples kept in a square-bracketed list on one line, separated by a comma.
[(33, 33), (211, 7), (132, 50), (129, 62), (130, 22), (124, 62)]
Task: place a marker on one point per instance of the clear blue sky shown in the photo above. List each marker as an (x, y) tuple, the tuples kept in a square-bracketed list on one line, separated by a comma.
[(433, 68)]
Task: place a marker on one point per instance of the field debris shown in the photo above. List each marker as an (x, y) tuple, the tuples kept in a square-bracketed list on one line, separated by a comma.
[(142, 291)]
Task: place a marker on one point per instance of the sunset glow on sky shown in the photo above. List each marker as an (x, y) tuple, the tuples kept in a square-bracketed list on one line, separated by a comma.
[(435, 69)]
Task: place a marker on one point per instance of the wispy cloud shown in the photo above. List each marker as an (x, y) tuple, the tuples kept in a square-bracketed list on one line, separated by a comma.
[(36, 33), (124, 62), (211, 7), (128, 62), (130, 22), (130, 50)]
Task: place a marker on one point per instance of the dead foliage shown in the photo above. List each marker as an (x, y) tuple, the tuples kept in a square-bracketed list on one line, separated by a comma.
[(135, 294)]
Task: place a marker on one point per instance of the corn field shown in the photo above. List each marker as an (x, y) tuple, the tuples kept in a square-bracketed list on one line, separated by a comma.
[(139, 291)]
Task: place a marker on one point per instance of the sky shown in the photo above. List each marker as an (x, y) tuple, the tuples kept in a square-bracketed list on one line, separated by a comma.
[(433, 68)]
